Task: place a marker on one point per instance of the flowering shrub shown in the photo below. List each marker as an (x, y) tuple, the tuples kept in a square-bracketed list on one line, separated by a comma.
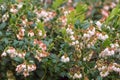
[(45, 39)]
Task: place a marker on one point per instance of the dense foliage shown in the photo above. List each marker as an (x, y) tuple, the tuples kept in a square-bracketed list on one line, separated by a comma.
[(59, 39)]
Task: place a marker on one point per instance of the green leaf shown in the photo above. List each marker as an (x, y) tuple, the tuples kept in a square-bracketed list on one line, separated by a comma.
[(21, 43), (15, 42), (106, 43), (18, 59), (57, 69), (5, 40), (8, 33), (115, 11), (63, 30), (80, 8), (53, 56), (99, 78), (27, 55), (77, 24), (85, 25), (2, 25), (1, 33), (40, 26), (71, 17), (57, 3), (13, 19)]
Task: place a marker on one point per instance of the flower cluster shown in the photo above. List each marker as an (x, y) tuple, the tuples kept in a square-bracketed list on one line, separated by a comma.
[(75, 73), (41, 54), (40, 44), (89, 36), (5, 17), (59, 34), (25, 69), (45, 15), (110, 51), (116, 67), (104, 11), (105, 68), (77, 76), (102, 36), (12, 52), (15, 8), (21, 33), (63, 19), (70, 32)]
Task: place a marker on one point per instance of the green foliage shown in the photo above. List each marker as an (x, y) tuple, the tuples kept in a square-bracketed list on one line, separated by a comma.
[(58, 41), (77, 14), (58, 3)]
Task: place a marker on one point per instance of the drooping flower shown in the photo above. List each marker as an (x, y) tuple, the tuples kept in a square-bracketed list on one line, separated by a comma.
[(77, 76), (21, 33), (4, 54), (31, 33), (65, 59), (104, 73)]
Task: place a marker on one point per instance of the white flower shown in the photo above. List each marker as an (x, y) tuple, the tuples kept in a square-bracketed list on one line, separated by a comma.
[(91, 32), (103, 67), (2, 6), (40, 33), (23, 66), (107, 52), (11, 50), (112, 52), (106, 36), (106, 7), (99, 24), (88, 45), (3, 54), (104, 74), (25, 73), (44, 13), (20, 5), (12, 10), (117, 1), (31, 34), (91, 21), (69, 31), (5, 17), (112, 45), (102, 37), (65, 59), (24, 22), (108, 27), (72, 33), (86, 35), (69, 1), (112, 5), (46, 19), (73, 43), (72, 37), (116, 67), (76, 42), (84, 59), (77, 76), (116, 45), (66, 13), (31, 68)]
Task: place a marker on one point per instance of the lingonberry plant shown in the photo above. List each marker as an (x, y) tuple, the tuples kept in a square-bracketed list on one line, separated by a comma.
[(59, 39)]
